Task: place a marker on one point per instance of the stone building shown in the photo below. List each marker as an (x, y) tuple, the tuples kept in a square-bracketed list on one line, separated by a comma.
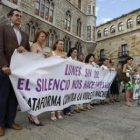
[(71, 20), (120, 38)]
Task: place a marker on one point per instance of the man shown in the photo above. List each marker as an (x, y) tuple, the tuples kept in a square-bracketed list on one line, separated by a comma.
[(11, 38), (79, 107)]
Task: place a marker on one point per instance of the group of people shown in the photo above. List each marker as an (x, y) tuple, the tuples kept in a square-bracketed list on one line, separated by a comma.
[(11, 38)]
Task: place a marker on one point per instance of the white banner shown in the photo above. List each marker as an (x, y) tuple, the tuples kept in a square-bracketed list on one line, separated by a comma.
[(49, 84), (136, 92)]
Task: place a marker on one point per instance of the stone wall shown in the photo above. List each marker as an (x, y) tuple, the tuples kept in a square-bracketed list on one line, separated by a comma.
[(112, 43)]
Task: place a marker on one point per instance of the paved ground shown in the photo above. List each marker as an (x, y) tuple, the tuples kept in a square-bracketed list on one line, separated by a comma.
[(110, 122)]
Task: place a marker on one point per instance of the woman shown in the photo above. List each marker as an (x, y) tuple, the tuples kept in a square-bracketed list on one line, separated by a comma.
[(129, 86), (57, 50), (119, 69), (89, 60), (37, 47), (72, 54)]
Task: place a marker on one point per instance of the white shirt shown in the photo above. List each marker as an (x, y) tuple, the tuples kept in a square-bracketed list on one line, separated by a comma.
[(104, 67), (95, 65), (18, 34)]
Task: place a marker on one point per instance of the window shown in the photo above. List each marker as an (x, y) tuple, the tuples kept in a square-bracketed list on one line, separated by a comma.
[(99, 34), (68, 21), (105, 32), (124, 49), (51, 12), (121, 26), (79, 4), (129, 24), (138, 20), (102, 53), (14, 1), (88, 33), (93, 10), (31, 29), (67, 44), (79, 24), (89, 9), (42, 8), (52, 37), (45, 9), (47, 6), (112, 29), (79, 47), (37, 7), (28, 29)]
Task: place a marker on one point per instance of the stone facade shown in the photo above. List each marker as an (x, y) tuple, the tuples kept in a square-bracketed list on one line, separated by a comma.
[(56, 25), (120, 38)]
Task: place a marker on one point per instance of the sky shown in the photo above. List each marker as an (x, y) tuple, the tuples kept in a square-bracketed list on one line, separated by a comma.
[(109, 9)]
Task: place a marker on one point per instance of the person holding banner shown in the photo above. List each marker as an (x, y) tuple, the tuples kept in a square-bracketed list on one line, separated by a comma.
[(129, 86), (104, 66), (89, 60), (57, 50), (11, 38), (72, 54), (81, 58), (37, 47)]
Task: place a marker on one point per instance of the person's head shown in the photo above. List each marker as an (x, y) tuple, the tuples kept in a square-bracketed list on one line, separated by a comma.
[(112, 63), (59, 44), (129, 60), (89, 58), (40, 36), (15, 17), (105, 61), (119, 66), (72, 52), (96, 58), (81, 57)]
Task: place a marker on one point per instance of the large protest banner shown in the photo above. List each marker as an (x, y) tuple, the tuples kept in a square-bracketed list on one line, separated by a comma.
[(136, 93), (46, 84)]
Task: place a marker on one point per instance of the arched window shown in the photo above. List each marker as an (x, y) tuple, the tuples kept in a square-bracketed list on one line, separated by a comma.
[(105, 32), (79, 47), (138, 20), (37, 7), (27, 30), (79, 4), (68, 21), (79, 25), (31, 29), (67, 43), (45, 9), (42, 10), (121, 26), (99, 34), (32, 33), (52, 37), (112, 29), (129, 24)]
